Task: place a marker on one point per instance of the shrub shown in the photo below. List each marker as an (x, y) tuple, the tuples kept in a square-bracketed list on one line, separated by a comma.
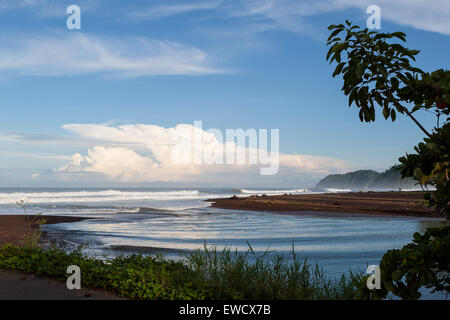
[(207, 274)]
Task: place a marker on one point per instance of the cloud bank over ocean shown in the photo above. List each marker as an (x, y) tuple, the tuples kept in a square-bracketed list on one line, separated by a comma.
[(144, 153)]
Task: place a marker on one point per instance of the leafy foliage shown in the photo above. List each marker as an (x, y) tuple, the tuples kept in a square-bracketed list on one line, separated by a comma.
[(134, 276), (376, 70), (431, 90), (207, 274), (430, 166), (424, 262)]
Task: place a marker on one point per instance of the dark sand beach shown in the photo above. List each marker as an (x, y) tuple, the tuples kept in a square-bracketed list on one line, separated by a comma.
[(380, 203), (13, 228), (17, 285)]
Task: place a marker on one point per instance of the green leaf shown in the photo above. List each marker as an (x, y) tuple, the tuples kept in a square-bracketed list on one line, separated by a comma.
[(413, 52), (400, 35), (417, 237), (334, 33), (416, 107), (393, 115), (353, 96), (360, 69), (338, 69), (337, 57), (395, 83), (386, 112), (397, 275), (378, 99)]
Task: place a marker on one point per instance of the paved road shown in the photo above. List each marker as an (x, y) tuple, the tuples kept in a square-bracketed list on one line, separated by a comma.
[(20, 286)]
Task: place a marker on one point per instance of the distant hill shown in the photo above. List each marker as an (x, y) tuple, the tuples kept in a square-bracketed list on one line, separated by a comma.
[(366, 179)]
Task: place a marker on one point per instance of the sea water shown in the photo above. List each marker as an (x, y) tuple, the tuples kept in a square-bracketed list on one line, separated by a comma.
[(171, 221)]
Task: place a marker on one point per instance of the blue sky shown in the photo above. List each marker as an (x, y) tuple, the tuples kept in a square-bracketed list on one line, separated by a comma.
[(230, 64)]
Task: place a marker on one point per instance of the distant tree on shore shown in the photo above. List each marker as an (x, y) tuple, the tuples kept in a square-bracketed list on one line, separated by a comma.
[(377, 71)]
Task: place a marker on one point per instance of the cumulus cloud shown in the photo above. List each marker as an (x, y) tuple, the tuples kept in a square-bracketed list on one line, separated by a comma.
[(147, 153), (78, 53)]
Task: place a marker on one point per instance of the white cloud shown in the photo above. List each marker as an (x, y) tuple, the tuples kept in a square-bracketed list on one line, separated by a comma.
[(116, 163), (146, 155), (78, 53), (262, 15), (28, 155), (50, 8), (14, 4), (429, 15), (162, 11)]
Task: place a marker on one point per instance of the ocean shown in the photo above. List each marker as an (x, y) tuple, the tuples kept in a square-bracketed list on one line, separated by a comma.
[(170, 221)]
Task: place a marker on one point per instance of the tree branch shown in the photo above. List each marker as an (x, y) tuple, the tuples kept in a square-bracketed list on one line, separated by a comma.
[(398, 105), (416, 122)]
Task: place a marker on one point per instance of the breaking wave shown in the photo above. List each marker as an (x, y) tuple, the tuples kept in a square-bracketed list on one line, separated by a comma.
[(97, 196), (273, 192), (336, 190)]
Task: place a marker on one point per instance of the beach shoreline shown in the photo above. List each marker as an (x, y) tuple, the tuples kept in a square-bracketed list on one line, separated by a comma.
[(391, 203), (14, 228)]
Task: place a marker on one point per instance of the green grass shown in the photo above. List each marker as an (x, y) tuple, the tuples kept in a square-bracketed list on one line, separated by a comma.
[(204, 274)]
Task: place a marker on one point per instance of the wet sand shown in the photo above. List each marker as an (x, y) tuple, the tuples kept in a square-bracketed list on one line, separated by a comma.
[(145, 249), (14, 228), (16, 285), (377, 203)]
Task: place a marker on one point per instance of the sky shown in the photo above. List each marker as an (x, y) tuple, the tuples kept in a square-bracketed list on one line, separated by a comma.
[(98, 106)]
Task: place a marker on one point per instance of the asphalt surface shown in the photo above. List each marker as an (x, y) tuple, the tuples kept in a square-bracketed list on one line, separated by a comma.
[(19, 286)]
